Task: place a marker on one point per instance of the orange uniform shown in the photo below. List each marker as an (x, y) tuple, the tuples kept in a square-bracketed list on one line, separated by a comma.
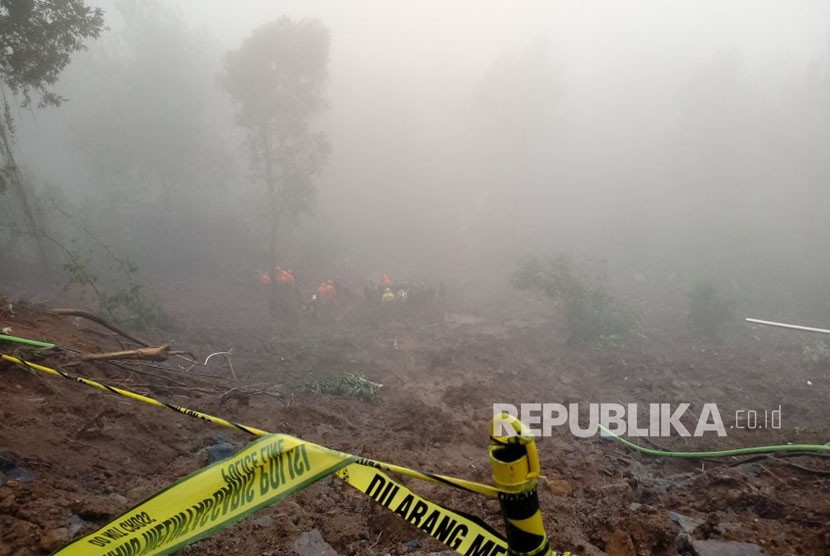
[(322, 292), (286, 277), (330, 291)]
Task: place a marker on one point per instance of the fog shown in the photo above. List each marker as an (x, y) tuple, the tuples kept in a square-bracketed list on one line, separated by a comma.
[(673, 139)]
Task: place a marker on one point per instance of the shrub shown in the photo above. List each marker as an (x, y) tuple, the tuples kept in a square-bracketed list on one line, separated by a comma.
[(592, 313), (353, 385)]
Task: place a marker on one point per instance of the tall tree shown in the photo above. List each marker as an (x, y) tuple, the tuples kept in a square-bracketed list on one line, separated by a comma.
[(276, 80), (37, 40)]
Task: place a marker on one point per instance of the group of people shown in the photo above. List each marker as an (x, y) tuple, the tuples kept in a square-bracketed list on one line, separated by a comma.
[(382, 291), (288, 300), (415, 294), (284, 277), (285, 299)]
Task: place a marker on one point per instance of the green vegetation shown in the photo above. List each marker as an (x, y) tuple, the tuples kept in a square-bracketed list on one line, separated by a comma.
[(125, 302), (37, 41), (353, 385), (592, 313)]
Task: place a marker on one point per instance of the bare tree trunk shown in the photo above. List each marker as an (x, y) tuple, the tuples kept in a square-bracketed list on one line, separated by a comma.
[(272, 221), (272, 254), (16, 181)]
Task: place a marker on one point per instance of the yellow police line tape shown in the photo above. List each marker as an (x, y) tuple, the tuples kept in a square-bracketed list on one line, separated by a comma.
[(472, 486), (264, 472)]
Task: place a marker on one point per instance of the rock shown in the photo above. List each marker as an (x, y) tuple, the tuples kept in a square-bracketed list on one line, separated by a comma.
[(264, 521), (725, 548), (53, 539), (222, 449), (119, 499), (8, 503), (76, 523), (138, 492), (620, 544), (292, 511), (99, 507), (15, 472), (687, 524), (620, 489), (725, 526), (412, 545), (560, 487), (311, 543)]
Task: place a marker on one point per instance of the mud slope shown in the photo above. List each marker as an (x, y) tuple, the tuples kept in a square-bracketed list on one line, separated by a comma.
[(74, 457)]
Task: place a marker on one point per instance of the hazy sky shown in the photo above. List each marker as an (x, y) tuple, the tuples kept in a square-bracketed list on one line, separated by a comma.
[(466, 32), (655, 101)]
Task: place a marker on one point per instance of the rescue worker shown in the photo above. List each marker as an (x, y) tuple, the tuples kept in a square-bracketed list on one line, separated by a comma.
[(296, 297), (384, 283), (388, 296), (285, 277), (289, 301), (264, 277), (312, 308), (331, 291), (323, 292)]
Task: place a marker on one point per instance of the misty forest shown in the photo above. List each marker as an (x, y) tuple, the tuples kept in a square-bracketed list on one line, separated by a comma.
[(362, 224)]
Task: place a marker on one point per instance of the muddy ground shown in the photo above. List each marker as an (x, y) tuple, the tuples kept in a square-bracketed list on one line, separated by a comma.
[(74, 457)]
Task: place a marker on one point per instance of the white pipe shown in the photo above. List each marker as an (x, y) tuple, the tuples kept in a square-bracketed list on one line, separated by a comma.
[(790, 326)]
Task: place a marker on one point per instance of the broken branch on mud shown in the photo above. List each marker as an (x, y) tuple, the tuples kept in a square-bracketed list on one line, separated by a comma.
[(98, 320), (158, 353)]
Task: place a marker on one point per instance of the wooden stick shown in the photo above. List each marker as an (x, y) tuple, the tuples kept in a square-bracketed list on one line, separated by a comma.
[(147, 353)]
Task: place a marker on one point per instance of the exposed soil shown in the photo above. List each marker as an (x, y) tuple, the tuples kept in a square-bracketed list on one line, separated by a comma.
[(74, 457)]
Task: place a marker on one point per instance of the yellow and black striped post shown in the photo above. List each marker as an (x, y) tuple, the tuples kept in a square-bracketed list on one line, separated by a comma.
[(515, 471)]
